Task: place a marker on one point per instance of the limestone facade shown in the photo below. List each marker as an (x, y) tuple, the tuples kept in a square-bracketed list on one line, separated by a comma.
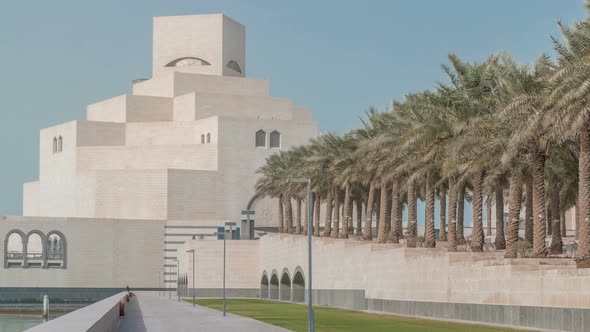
[(182, 148)]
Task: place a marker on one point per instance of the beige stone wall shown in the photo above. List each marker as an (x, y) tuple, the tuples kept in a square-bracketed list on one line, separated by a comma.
[(135, 195), (100, 253), (92, 133), (197, 105), (173, 84), (387, 271), (197, 157), (242, 259), (129, 108), (31, 198)]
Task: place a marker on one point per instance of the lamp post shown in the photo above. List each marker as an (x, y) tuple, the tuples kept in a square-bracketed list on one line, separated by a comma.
[(177, 278), (193, 252), (230, 225), (309, 231)]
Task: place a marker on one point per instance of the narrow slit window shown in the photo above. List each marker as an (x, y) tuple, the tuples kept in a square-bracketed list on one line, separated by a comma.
[(275, 139), (260, 138)]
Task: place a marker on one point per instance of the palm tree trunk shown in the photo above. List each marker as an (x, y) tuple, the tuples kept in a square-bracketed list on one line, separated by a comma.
[(528, 213), (412, 216), (382, 230), (351, 216), (346, 212), (377, 208), (288, 215), (500, 242), (489, 216), (513, 216), (556, 242), (396, 222), (562, 222), (477, 237), (336, 214), (577, 223), (388, 218), (316, 215), (368, 234), (298, 217), (539, 247), (442, 234), (584, 192), (452, 215), (400, 217), (329, 208), (359, 217), (548, 218), (460, 213), (429, 237), (281, 215)]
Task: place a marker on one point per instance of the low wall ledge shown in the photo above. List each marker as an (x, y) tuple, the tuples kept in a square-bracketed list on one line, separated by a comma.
[(83, 319)]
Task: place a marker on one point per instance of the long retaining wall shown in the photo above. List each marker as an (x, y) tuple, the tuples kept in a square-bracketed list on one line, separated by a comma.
[(102, 316), (475, 287)]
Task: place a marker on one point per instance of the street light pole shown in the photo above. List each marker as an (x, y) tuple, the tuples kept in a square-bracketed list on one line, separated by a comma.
[(309, 232), (224, 241), (230, 224), (193, 252), (177, 278)]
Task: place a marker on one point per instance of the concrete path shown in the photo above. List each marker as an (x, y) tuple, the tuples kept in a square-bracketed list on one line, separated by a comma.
[(150, 312)]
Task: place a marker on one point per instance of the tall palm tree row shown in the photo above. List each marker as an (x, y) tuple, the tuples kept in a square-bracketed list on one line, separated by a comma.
[(496, 130)]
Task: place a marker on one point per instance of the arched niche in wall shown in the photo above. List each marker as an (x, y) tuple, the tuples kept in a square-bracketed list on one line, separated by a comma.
[(56, 250), (14, 249), (35, 250)]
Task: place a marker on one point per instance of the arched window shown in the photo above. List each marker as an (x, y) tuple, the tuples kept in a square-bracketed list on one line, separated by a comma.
[(260, 138), (56, 250), (34, 249), (14, 249), (208, 138), (234, 66), (59, 144), (188, 61), (275, 139), (202, 138), (54, 145)]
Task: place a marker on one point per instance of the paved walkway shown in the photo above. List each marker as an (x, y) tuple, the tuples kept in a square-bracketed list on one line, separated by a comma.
[(150, 312)]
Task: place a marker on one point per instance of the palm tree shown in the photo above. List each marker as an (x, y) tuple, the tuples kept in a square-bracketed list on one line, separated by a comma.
[(569, 114), (527, 111)]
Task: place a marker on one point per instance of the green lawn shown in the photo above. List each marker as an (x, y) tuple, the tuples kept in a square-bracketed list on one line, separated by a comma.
[(294, 317)]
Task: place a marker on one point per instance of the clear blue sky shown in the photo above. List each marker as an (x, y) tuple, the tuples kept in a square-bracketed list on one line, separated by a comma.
[(338, 57)]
